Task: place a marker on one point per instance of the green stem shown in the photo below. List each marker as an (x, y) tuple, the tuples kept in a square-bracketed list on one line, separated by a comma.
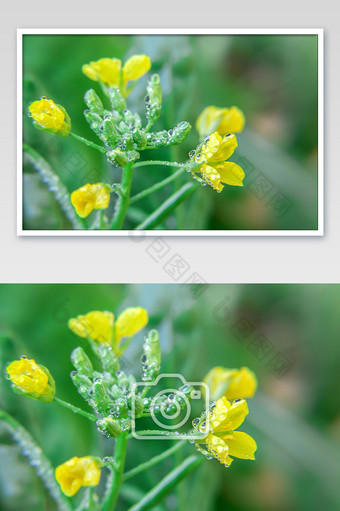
[(102, 222), (158, 162), (167, 207), (153, 461), (88, 142), (154, 432), (117, 473), (123, 200), (170, 481), (156, 187), (75, 409)]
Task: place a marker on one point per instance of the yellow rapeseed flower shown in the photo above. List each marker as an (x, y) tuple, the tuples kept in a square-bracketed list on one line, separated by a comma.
[(222, 120), (130, 321), (223, 441), (76, 473), (95, 325), (50, 117), (31, 379), (90, 197), (111, 73), (231, 383), (135, 68), (210, 160), (102, 328), (105, 70)]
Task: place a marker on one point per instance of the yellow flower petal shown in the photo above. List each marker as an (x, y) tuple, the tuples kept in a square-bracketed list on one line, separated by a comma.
[(222, 120), (105, 70), (237, 413), (135, 67), (232, 121), (211, 176), (77, 472), (240, 445), (218, 380), (231, 383), (226, 417), (219, 449), (130, 321), (209, 120), (90, 197), (28, 376), (225, 148), (243, 384), (96, 325), (230, 173)]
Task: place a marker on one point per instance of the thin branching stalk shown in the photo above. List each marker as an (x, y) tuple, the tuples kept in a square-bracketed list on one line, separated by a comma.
[(37, 459), (54, 184), (76, 410)]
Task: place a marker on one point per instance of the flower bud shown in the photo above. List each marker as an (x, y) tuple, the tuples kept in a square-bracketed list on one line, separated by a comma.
[(81, 362), (151, 358), (153, 99), (108, 359), (50, 117), (117, 157), (116, 391), (138, 121), (139, 405), (179, 133), (139, 138), (31, 379), (93, 102), (127, 141), (154, 89), (117, 100), (108, 130), (95, 121), (82, 384), (128, 116), (100, 398), (109, 427)]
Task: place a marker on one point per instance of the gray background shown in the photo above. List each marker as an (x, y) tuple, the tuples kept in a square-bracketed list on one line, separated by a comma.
[(132, 259)]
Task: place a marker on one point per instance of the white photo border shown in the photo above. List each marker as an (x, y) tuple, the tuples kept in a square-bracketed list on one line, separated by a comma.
[(173, 31)]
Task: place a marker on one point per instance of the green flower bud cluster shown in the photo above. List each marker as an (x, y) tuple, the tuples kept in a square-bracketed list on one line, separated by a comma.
[(112, 393), (109, 392), (174, 136), (122, 131)]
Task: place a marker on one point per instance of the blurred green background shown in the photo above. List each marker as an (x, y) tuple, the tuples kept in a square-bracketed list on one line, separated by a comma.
[(272, 78), (287, 334)]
